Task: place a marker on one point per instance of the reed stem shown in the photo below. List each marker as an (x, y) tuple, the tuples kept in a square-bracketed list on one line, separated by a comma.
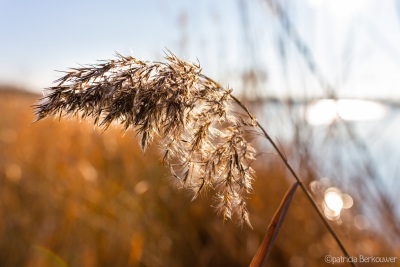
[(301, 184)]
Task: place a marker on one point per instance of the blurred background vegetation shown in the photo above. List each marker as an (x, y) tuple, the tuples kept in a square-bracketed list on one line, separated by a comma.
[(72, 195)]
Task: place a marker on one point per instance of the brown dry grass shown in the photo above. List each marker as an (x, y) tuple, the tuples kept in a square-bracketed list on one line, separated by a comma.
[(72, 195)]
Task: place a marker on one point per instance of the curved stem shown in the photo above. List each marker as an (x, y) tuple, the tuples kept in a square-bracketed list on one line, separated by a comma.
[(301, 184)]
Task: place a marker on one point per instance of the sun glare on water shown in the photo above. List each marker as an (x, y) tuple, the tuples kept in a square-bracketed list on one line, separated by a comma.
[(326, 111), (334, 202)]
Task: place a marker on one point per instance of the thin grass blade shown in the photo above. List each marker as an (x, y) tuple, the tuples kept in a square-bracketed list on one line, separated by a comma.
[(263, 251)]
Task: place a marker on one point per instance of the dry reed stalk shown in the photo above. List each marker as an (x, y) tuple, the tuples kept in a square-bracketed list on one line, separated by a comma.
[(274, 226), (203, 139)]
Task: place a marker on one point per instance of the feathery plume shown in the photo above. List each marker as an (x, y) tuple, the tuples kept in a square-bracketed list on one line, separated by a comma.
[(203, 140)]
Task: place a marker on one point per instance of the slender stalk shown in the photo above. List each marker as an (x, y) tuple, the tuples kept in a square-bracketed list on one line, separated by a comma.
[(301, 184), (273, 229)]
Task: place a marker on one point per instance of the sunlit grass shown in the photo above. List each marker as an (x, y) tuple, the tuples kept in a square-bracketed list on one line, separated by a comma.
[(76, 195)]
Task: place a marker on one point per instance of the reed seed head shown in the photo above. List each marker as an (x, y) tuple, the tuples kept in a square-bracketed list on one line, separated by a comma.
[(202, 137)]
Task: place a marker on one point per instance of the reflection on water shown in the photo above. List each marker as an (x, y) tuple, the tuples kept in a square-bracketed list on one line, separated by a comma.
[(326, 111), (353, 142)]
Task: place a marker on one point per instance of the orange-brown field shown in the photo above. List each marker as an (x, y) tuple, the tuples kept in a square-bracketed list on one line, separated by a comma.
[(72, 195)]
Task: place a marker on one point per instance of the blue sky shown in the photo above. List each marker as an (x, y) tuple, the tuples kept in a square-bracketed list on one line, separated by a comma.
[(42, 36), (354, 45)]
